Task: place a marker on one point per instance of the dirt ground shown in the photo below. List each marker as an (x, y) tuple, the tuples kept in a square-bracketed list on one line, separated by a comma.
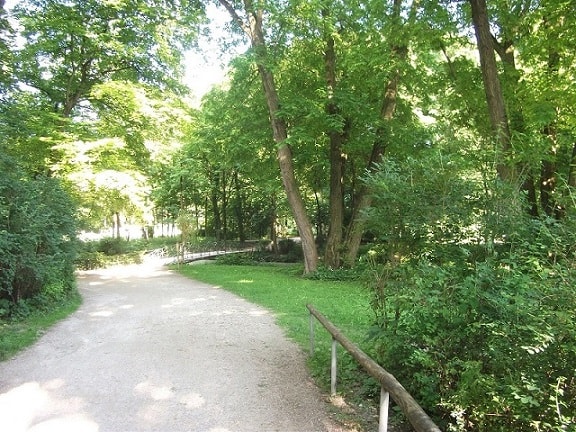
[(150, 350)]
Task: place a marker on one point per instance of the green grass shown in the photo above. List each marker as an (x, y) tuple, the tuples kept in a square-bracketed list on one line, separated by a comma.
[(282, 290), (17, 334)]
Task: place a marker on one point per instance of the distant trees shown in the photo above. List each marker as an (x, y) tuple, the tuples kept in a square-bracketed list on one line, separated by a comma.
[(90, 98), (226, 173)]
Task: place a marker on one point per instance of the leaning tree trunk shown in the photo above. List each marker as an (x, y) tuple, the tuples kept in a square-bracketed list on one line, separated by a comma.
[(364, 201), (548, 174), (279, 129), (572, 168), (492, 88), (517, 123)]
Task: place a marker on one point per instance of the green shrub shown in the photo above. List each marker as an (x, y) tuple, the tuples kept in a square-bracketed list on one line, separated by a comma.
[(247, 258), (87, 260), (474, 300), (5, 307), (485, 345), (113, 246), (37, 233), (341, 274)]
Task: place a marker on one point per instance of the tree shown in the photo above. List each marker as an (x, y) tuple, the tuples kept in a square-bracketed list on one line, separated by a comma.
[(399, 34), (226, 173), (494, 95), (6, 57), (71, 53), (37, 233), (254, 30), (71, 47), (530, 39)]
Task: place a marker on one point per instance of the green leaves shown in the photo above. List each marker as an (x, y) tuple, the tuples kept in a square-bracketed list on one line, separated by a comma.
[(37, 233), (483, 335)]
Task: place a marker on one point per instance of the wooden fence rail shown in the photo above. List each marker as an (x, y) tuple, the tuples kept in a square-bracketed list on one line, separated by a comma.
[(389, 385)]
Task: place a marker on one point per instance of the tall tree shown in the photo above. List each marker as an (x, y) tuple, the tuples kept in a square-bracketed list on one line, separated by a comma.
[(73, 46), (493, 89), (336, 137), (398, 52), (70, 48), (253, 28)]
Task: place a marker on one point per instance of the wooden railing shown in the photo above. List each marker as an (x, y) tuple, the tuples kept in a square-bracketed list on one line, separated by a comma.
[(389, 386)]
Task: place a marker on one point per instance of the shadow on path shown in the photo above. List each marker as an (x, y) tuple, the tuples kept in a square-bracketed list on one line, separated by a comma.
[(150, 350)]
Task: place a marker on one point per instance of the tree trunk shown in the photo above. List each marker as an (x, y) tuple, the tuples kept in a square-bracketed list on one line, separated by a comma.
[(336, 137), (492, 88), (117, 217), (517, 122), (239, 207), (548, 169), (224, 204), (279, 129), (547, 186), (298, 209), (572, 168), (273, 224), (364, 200), (217, 222)]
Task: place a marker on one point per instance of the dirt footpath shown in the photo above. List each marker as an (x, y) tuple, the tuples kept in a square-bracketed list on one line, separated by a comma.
[(150, 350)]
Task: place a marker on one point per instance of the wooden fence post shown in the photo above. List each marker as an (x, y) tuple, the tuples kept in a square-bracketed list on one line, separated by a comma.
[(333, 366), (384, 404), (390, 385), (312, 319)]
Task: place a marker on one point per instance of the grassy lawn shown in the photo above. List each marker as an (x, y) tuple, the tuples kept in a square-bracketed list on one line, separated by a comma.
[(282, 290), (17, 334)]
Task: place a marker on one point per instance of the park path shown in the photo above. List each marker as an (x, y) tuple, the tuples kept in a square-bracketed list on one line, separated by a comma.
[(150, 350)]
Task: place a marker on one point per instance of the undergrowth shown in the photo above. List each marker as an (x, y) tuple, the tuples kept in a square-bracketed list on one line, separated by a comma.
[(30, 318)]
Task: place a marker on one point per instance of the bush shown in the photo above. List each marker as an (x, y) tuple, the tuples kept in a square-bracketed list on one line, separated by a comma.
[(87, 260), (37, 233), (485, 345), (113, 246)]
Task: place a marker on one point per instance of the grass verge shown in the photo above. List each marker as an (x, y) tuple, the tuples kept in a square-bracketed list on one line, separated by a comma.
[(17, 334), (282, 290)]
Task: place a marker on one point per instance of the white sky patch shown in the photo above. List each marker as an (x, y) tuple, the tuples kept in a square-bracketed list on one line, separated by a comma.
[(202, 72), (207, 66)]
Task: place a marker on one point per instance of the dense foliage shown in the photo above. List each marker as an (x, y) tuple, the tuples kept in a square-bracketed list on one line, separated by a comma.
[(90, 97), (440, 134), (474, 306), (37, 237)]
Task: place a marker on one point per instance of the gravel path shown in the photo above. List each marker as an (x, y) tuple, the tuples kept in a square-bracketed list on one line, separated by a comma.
[(150, 350)]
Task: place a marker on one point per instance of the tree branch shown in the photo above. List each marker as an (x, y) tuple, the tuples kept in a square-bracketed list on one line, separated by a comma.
[(235, 17)]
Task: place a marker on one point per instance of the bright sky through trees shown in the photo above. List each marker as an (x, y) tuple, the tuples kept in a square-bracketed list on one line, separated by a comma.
[(205, 66)]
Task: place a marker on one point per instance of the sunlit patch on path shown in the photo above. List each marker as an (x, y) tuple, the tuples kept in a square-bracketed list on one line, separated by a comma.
[(151, 350)]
